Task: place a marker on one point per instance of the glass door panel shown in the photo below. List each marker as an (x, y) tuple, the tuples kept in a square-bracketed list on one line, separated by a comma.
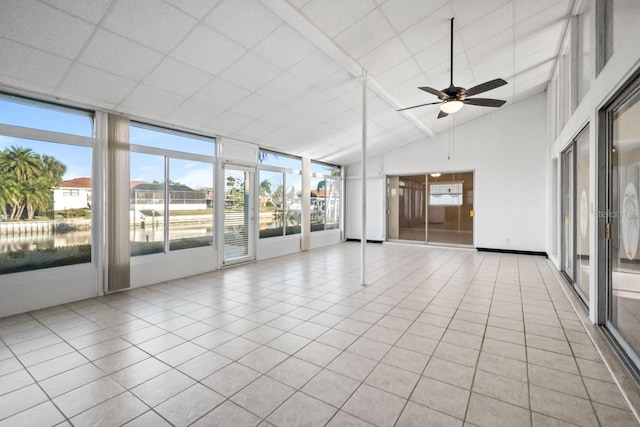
[(623, 254), (582, 215), (450, 208), (568, 243), (411, 208), (238, 214)]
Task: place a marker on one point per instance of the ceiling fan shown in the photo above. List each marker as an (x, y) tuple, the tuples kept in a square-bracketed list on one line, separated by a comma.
[(453, 98)]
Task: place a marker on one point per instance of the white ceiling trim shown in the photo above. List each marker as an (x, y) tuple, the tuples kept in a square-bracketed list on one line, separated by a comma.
[(294, 18)]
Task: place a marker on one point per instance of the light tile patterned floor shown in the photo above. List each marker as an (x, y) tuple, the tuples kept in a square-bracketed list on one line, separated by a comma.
[(440, 337)]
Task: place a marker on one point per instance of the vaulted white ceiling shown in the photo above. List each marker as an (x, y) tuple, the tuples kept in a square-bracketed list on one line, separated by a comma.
[(280, 73)]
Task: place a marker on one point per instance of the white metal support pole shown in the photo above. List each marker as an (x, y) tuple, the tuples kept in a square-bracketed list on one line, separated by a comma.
[(363, 168)]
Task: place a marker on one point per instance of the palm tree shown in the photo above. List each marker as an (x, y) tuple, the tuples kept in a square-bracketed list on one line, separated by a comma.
[(22, 161), (53, 169), (37, 195)]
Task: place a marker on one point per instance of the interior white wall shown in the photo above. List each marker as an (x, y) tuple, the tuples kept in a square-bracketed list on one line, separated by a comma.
[(507, 149)]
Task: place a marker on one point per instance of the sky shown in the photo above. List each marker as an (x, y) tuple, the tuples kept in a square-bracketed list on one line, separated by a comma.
[(78, 158)]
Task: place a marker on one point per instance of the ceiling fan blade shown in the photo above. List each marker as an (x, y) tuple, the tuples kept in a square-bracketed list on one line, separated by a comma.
[(421, 105), (485, 102), (440, 94), (442, 114), (486, 86)]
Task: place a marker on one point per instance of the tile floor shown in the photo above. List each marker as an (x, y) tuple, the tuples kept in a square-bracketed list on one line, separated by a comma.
[(441, 337)]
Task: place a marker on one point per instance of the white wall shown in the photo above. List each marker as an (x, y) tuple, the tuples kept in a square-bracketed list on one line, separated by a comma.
[(508, 151)]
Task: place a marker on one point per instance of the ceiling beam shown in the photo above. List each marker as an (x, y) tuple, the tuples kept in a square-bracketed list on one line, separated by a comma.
[(299, 22)]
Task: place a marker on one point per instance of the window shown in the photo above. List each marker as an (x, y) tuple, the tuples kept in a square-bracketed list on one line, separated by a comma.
[(326, 189), (280, 197), (171, 194), (445, 194), (42, 223)]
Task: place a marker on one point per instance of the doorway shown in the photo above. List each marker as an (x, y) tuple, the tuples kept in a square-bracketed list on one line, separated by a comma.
[(238, 214), (431, 208)]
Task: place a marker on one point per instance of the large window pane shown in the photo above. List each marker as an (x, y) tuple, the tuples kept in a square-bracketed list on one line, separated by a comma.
[(45, 204), (325, 169), (270, 158), (169, 140), (146, 212), (333, 204), (294, 203), (271, 191), (190, 204), (36, 115), (318, 194)]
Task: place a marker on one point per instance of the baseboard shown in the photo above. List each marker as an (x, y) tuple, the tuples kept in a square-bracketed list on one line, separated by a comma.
[(368, 241), (513, 251)]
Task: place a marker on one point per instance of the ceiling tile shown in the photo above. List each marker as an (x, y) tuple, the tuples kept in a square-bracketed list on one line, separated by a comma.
[(43, 27), (432, 29), (329, 111), (147, 101), (337, 84), (92, 11), (151, 22), (31, 65), (365, 35), (222, 94), (283, 88), (251, 72), (227, 123), (466, 13), (385, 57), (284, 47), (334, 16), (436, 69), (399, 74), (193, 114), (309, 100), (314, 68), (176, 77), (496, 44), (525, 9), (254, 106), (207, 50), (528, 25), (404, 13), (244, 21), (94, 83), (134, 61), (280, 116), (254, 131), (487, 26), (196, 8)]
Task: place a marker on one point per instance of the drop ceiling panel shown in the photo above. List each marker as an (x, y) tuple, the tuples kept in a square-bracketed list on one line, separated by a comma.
[(487, 26), (335, 16), (366, 34), (93, 83), (147, 101), (31, 65), (429, 30), (466, 13), (284, 47), (151, 22), (283, 88), (404, 13), (244, 21), (134, 60), (251, 72), (193, 114), (385, 57), (228, 123), (164, 77), (195, 8), (254, 131), (254, 106), (208, 50), (400, 73), (315, 68), (221, 94), (92, 11), (43, 27)]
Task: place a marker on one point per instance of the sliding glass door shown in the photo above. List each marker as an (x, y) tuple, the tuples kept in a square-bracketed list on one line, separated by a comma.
[(238, 214)]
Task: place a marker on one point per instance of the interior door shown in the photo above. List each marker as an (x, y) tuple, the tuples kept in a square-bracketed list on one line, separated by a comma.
[(238, 214)]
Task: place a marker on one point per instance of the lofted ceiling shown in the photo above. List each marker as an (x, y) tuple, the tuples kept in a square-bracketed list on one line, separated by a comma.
[(284, 74)]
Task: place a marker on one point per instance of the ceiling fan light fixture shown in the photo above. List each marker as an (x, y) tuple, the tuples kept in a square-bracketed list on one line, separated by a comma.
[(451, 107)]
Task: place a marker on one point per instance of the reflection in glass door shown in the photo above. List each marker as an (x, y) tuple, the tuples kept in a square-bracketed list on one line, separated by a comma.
[(623, 257), (567, 205), (238, 214)]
